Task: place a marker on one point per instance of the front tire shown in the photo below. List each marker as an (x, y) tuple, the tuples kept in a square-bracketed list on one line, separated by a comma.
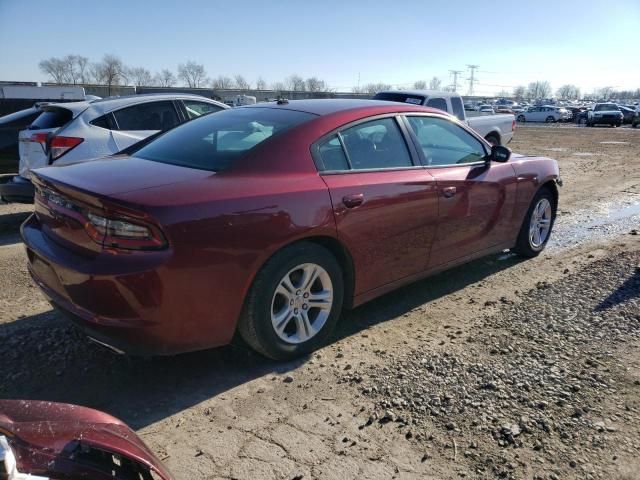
[(294, 303), (521, 118), (550, 119), (492, 139), (537, 225)]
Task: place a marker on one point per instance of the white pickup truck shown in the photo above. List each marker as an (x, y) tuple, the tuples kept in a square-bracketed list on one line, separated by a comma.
[(496, 128)]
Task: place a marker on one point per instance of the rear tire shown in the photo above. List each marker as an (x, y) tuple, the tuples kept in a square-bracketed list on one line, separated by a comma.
[(530, 243), (521, 118), (276, 321)]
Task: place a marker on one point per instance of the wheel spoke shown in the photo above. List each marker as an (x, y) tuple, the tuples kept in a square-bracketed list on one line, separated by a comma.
[(322, 300), (286, 283), (282, 320), (303, 324), (309, 276)]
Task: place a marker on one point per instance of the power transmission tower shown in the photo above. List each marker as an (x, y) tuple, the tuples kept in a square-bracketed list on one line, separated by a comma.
[(455, 74), (472, 79)]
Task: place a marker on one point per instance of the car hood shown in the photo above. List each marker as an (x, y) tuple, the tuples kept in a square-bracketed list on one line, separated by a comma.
[(62, 440), (120, 174)]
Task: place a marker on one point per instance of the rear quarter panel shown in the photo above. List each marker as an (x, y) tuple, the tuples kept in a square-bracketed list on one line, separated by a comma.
[(531, 174)]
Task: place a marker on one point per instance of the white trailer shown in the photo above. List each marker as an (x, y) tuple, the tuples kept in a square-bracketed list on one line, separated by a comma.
[(41, 93)]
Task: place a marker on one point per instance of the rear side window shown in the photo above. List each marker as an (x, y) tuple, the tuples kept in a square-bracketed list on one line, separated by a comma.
[(103, 122), (399, 97), (147, 116), (196, 109), (52, 118), (214, 142), (376, 145), (439, 103), (456, 106)]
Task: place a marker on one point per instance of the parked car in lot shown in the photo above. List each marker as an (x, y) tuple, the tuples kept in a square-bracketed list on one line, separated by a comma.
[(10, 126), (496, 129), (269, 219), (51, 441), (605, 114), (627, 114), (67, 133), (546, 113)]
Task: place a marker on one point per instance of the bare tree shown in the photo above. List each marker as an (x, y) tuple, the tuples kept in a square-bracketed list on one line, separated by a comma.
[(139, 76), (222, 82), (605, 93), (261, 84), (504, 93), (192, 74), (241, 83), (568, 92), (82, 68), (314, 84), (165, 78), (435, 83), (539, 89), (295, 83), (55, 68), (520, 92), (420, 85), (278, 86), (110, 71), (375, 87)]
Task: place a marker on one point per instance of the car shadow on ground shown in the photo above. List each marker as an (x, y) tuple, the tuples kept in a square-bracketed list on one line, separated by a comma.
[(628, 290), (10, 222), (45, 358)]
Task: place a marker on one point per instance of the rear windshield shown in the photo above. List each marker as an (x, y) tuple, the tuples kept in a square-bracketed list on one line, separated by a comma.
[(606, 106), (400, 97), (52, 118), (213, 142)]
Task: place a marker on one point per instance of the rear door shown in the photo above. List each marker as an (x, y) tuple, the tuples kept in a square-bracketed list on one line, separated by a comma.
[(476, 200), (384, 201), (138, 122)]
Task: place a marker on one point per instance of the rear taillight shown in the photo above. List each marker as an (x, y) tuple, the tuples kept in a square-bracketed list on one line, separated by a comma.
[(61, 145), (122, 233), (119, 232), (40, 138)]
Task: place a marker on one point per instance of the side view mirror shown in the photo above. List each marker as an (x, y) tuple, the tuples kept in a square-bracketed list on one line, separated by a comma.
[(499, 154)]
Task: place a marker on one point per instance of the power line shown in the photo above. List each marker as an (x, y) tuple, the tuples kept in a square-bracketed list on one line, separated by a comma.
[(472, 78)]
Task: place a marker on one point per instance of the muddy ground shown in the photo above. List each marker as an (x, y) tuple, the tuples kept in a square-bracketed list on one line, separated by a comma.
[(502, 368)]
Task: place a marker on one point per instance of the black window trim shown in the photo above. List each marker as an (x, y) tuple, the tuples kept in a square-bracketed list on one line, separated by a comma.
[(464, 127), (115, 120), (417, 164)]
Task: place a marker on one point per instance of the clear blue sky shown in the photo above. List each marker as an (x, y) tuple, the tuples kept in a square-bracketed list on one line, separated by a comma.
[(588, 43)]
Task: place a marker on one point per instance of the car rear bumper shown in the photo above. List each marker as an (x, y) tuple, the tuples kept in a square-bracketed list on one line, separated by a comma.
[(16, 189), (135, 308)]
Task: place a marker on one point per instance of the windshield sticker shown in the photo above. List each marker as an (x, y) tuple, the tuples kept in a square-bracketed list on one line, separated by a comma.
[(415, 101)]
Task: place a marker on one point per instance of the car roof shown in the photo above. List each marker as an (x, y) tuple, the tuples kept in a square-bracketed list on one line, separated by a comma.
[(333, 105), (109, 104), (423, 93)]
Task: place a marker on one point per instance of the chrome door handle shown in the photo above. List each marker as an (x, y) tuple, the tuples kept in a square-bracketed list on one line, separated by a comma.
[(448, 192), (351, 201)]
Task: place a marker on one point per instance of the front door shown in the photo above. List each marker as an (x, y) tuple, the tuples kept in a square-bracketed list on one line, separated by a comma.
[(385, 203), (476, 200)]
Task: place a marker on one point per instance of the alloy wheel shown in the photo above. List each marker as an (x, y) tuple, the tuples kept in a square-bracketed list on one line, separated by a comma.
[(301, 303), (540, 224)]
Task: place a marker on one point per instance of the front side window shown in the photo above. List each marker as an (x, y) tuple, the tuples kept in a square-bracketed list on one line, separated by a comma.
[(196, 109), (439, 103), (147, 116), (445, 143), (214, 142)]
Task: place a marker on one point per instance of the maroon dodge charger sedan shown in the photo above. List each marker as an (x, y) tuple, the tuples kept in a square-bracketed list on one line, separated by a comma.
[(46, 440), (268, 220)]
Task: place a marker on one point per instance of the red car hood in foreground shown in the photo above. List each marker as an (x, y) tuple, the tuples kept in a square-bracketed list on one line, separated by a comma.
[(62, 441)]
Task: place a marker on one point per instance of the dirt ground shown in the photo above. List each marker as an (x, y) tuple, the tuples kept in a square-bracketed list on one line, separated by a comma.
[(502, 368)]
